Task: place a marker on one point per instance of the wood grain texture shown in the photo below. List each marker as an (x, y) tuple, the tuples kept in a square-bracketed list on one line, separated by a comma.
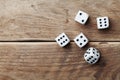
[(44, 20), (47, 61)]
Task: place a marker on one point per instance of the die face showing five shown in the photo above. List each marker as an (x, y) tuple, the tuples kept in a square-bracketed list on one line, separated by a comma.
[(102, 22), (81, 40), (81, 17), (62, 39), (92, 55)]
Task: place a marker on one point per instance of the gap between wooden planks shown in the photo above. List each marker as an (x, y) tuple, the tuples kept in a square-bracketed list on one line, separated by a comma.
[(47, 61), (24, 22)]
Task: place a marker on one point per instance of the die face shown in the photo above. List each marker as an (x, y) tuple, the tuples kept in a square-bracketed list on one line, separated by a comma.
[(62, 39), (81, 17), (95, 52), (102, 22), (81, 40), (92, 55), (92, 59)]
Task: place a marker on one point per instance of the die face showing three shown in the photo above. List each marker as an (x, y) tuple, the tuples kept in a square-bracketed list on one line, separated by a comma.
[(81, 40), (81, 17), (102, 22), (92, 55), (62, 39)]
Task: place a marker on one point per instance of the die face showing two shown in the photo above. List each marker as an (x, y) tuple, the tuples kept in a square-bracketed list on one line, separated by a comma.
[(92, 55), (102, 22), (81, 17), (81, 40), (62, 39)]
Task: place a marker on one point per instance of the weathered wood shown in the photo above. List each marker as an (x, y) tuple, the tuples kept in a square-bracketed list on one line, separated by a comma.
[(47, 61), (22, 20), (44, 20)]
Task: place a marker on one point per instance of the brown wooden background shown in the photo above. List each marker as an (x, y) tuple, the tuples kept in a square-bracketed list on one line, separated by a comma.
[(28, 50)]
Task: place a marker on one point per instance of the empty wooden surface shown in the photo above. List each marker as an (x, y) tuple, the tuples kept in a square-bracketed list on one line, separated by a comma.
[(28, 50)]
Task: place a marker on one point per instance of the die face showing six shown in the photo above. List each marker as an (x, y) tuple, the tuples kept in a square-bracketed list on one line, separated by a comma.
[(102, 22), (81, 17), (62, 39), (92, 55), (81, 40)]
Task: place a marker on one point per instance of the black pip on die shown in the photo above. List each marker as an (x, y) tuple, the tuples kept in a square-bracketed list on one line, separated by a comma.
[(92, 55)]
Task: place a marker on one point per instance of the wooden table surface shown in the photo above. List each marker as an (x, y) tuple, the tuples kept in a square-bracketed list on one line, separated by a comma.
[(28, 50)]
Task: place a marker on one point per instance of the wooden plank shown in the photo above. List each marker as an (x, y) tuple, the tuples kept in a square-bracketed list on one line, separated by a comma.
[(44, 20), (47, 61)]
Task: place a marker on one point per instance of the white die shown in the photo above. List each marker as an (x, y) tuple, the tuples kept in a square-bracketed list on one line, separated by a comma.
[(81, 40), (81, 17), (102, 22), (92, 55), (62, 39)]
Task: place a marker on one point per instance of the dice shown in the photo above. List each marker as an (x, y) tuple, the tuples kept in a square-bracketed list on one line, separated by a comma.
[(81, 17), (62, 39), (92, 55), (102, 22), (81, 40)]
